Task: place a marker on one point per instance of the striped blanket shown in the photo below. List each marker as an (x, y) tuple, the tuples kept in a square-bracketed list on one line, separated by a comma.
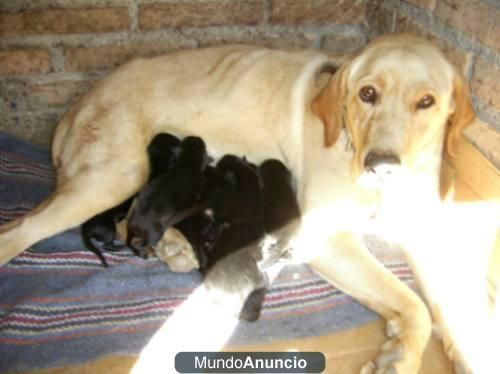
[(59, 306)]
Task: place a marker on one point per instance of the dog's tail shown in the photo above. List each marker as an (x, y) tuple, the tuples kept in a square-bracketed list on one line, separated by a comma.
[(89, 244)]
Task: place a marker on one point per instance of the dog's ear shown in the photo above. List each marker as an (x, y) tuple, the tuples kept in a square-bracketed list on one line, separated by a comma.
[(328, 105), (461, 115)]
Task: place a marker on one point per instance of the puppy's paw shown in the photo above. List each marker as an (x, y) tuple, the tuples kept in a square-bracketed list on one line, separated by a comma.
[(180, 264), (176, 252)]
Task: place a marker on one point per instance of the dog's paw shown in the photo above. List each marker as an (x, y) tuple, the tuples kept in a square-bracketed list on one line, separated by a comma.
[(368, 368), (452, 351), (402, 351), (371, 368), (460, 369), (455, 357)]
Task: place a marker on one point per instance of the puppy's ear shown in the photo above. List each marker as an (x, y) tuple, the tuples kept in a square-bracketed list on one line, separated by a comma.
[(328, 105), (461, 116)]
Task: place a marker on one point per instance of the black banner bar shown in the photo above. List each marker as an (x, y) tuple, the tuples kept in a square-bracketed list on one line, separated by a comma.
[(250, 362)]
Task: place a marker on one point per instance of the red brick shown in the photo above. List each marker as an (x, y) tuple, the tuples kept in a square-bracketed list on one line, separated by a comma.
[(299, 12), (379, 18), (201, 13), (23, 95), (343, 43), (57, 94), (111, 56), (486, 83), (476, 18), (25, 61), (35, 127), (271, 40), (63, 21), (426, 4)]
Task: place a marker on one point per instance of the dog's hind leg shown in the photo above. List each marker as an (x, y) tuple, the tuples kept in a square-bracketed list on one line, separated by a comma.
[(88, 192)]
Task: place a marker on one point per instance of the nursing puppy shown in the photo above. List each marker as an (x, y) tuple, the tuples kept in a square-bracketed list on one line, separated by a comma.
[(169, 198), (236, 209), (247, 250), (99, 233), (232, 216), (163, 152), (279, 197), (185, 246)]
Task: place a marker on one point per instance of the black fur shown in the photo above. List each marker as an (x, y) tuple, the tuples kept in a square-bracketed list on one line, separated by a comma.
[(278, 195), (169, 198), (253, 305)]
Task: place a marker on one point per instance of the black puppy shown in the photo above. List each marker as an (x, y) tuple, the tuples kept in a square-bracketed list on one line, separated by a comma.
[(281, 223), (237, 209), (99, 232), (232, 215), (201, 230), (163, 152), (240, 202), (261, 205), (278, 195), (169, 198)]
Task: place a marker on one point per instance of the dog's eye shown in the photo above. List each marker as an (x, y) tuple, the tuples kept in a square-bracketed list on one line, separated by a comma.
[(426, 102), (368, 94)]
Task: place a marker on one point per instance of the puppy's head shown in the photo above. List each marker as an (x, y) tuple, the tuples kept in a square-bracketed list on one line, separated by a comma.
[(274, 173), (163, 153), (193, 154), (238, 171), (399, 100)]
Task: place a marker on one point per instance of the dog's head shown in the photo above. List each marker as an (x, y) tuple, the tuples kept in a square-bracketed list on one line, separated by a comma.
[(399, 99)]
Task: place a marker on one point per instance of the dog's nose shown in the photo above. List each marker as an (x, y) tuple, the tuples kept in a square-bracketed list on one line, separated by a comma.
[(382, 163)]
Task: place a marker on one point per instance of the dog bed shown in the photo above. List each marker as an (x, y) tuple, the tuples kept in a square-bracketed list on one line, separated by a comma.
[(59, 306)]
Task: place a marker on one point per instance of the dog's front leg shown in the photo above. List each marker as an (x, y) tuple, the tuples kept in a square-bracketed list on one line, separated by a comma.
[(346, 262)]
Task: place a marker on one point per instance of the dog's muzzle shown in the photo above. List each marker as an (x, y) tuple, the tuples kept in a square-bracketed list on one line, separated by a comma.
[(381, 163)]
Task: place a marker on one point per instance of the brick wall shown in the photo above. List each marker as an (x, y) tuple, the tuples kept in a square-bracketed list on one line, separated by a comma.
[(52, 51)]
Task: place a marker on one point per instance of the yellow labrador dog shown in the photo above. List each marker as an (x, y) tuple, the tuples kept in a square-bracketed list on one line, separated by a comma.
[(355, 139)]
